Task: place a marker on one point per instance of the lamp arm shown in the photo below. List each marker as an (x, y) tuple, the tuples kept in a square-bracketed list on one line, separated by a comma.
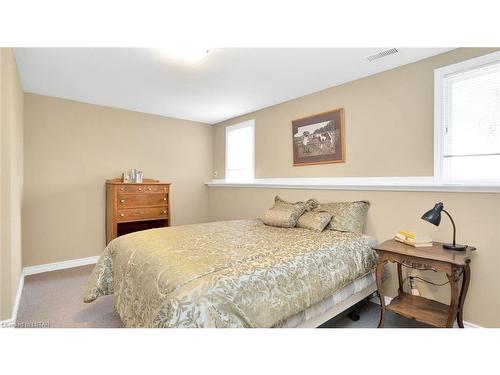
[(452, 223)]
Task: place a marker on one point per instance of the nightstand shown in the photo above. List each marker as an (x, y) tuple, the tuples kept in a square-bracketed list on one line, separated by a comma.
[(437, 259)]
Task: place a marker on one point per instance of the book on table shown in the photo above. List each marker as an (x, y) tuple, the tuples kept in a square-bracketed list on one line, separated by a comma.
[(413, 239)]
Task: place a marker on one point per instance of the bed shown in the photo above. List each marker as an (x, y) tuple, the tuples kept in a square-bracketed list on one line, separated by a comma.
[(238, 273)]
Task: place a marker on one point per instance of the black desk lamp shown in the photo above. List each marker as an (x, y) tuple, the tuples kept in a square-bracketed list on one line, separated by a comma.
[(434, 217)]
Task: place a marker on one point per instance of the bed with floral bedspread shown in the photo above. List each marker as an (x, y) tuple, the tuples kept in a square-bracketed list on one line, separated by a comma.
[(238, 273)]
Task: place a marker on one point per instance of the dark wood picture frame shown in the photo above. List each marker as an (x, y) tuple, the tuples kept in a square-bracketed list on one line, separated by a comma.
[(319, 139)]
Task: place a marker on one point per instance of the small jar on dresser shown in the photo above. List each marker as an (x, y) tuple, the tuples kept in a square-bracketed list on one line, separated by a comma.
[(131, 207)]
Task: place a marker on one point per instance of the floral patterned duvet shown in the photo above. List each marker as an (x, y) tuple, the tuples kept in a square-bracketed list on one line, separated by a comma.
[(225, 274)]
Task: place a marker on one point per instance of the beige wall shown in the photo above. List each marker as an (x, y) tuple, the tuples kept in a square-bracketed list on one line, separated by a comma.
[(389, 132), (11, 170), (71, 148)]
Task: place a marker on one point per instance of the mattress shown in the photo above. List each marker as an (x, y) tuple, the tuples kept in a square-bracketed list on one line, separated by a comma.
[(358, 285)]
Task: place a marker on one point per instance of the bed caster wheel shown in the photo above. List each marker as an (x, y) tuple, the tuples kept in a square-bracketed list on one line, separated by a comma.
[(354, 316)]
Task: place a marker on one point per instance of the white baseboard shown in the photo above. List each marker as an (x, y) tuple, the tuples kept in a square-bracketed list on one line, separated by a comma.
[(470, 325), (32, 270), (20, 287), (9, 323), (389, 299)]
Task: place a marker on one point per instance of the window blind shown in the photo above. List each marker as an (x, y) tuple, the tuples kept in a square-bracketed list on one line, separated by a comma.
[(471, 117)]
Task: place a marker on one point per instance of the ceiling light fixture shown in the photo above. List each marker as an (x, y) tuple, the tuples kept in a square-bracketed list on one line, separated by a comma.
[(189, 55)]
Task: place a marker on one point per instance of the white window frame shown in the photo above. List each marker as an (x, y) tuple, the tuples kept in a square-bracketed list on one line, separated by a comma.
[(244, 124), (439, 134)]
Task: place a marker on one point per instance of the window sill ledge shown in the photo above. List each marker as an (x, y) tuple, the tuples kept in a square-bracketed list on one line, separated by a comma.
[(358, 183)]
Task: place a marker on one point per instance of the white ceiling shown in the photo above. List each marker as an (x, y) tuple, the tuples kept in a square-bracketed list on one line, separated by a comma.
[(227, 83)]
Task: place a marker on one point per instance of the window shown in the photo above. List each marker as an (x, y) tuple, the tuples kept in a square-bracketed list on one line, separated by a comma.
[(240, 151), (467, 122)]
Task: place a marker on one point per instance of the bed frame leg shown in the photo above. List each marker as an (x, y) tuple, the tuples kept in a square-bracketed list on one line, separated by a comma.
[(353, 315)]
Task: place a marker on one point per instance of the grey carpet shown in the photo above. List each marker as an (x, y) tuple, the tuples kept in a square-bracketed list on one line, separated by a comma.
[(54, 299)]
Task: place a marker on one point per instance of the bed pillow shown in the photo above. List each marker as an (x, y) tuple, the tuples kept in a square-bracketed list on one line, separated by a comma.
[(314, 220), (346, 216), (285, 214), (282, 204)]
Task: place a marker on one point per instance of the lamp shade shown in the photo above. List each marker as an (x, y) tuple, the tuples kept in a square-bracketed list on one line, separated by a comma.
[(433, 216)]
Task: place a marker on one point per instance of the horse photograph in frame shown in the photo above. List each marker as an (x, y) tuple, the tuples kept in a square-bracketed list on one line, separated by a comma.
[(319, 139)]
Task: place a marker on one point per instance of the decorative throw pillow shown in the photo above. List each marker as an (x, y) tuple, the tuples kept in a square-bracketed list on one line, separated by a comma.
[(285, 214), (280, 203), (346, 216), (315, 220), (279, 218)]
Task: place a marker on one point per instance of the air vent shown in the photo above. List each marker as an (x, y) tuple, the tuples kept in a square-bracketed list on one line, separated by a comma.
[(381, 54)]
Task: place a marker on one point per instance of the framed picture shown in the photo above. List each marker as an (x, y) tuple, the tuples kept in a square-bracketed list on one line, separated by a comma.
[(319, 139)]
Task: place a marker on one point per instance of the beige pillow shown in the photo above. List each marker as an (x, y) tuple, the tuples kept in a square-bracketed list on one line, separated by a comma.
[(346, 216), (280, 203), (314, 220), (279, 218), (285, 214)]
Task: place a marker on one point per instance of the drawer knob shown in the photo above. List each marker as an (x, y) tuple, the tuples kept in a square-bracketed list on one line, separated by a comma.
[(140, 189), (122, 215), (149, 188), (122, 189), (122, 200), (164, 188), (164, 199), (164, 212)]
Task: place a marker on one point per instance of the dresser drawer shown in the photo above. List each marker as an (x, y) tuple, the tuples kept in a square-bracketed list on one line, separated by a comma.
[(130, 188), (136, 188), (156, 188), (141, 199), (146, 213)]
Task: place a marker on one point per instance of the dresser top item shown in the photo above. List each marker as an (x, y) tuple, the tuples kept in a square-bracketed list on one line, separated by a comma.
[(434, 252), (146, 181)]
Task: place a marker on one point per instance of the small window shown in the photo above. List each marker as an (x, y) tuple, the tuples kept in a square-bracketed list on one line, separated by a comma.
[(468, 121), (240, 151)]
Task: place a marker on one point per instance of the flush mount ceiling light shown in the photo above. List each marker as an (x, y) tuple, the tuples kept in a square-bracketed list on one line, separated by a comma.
[(189, 54)]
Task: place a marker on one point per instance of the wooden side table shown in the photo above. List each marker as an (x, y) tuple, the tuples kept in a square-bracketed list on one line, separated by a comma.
[(437, 259)]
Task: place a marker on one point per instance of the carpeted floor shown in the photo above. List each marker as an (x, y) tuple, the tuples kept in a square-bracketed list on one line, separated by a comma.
[(54, 299)]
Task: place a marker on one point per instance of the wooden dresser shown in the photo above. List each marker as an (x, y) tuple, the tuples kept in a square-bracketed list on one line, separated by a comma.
[(132, 207)]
